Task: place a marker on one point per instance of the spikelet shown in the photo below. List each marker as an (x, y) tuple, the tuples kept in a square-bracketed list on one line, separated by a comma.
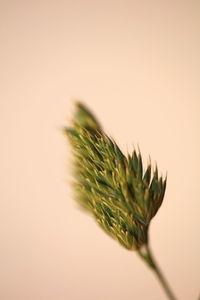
[(120, 195)]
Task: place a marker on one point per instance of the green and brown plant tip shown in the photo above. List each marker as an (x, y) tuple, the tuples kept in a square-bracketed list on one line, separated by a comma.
[(122, 196)]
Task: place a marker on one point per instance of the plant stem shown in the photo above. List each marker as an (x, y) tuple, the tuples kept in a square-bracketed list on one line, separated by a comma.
[(146, 254)]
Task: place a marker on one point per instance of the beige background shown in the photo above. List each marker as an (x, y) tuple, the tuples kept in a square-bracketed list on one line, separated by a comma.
[(137, 66)]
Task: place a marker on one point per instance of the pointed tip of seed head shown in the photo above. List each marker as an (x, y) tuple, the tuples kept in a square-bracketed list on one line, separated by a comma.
[(138, 148), (76, 101), (149, 160)]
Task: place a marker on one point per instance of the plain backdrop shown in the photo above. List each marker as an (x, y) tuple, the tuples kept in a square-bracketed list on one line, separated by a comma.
[(136, 64)]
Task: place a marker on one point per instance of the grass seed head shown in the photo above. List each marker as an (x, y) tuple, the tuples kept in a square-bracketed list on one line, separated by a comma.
[(119, 193)]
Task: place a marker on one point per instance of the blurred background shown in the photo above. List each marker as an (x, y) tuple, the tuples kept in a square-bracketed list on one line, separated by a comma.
[(136, 65)]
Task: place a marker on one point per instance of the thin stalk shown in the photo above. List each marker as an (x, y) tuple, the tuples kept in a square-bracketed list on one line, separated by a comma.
[(146, 254)]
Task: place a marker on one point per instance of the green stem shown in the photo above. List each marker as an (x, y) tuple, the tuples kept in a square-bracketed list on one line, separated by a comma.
[(146, 254)]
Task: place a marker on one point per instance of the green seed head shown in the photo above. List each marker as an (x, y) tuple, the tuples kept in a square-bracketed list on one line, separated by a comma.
[(121, 196)]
